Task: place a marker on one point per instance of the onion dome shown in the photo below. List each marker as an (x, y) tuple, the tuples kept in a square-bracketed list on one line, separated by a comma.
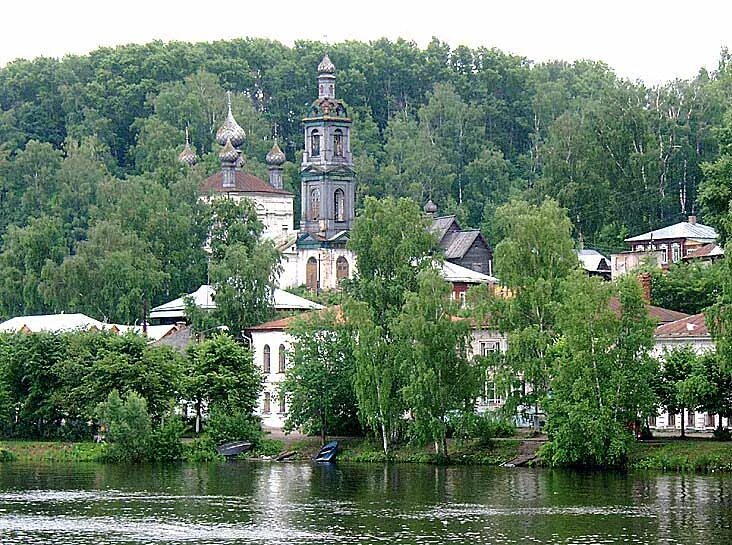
[(187, 156), (230, 130), (430, 207), (326, 66), (275, 157), (229, 154)]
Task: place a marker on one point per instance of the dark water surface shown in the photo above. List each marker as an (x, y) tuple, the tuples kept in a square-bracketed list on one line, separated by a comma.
[(84, 504)]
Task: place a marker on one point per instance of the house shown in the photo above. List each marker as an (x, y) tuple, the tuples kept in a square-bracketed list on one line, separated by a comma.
[(464, 247), (627, 261), (675, 241), (462, 279), (689, 331), (173, 311), (709, 253), (594, 263)]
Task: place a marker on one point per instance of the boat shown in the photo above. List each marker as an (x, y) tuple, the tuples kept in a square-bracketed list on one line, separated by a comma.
[(233, 448), (328, 452)]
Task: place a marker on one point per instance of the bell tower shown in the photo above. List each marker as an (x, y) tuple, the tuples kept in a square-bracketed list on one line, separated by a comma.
[(327, 176)]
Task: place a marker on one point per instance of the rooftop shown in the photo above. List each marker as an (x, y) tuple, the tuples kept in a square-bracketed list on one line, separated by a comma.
[(52, 323), (243, 183), (682, 229), (691, 326)]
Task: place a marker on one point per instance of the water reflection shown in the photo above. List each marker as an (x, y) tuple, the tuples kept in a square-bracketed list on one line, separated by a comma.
[(302, 503)]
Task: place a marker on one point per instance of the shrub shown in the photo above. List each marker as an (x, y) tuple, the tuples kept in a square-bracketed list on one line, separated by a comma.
[(127, 427), (226, 425), (481, 428), (722, 434), (269, 447), (165, 442), (201, 449), (6, 455)]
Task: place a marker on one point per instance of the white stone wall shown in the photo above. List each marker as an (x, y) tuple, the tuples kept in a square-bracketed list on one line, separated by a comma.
[(274, 418), (294, 266), (274, 210)]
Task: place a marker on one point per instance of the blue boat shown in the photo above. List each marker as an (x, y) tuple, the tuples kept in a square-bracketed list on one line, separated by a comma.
[(328, 452)]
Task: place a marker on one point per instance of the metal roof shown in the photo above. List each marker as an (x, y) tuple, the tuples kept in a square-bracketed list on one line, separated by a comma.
[(455, 273), (592, 260), (682, 229), (204, 296), (243, 183), (691, 326), (52, 323)]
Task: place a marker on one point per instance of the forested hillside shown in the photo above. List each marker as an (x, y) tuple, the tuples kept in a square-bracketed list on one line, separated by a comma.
[(95, 210)]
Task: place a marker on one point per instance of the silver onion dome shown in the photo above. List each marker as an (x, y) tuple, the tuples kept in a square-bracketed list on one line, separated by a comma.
[(326, 66), (229, 154), (230, 130), (275, 157), (187, 156), (430, 207)]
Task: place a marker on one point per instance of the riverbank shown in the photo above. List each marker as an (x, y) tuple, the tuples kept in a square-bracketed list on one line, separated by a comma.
[(50, 451), (688, 455)]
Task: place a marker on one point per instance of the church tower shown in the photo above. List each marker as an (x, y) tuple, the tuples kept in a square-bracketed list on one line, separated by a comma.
[(327, 176)]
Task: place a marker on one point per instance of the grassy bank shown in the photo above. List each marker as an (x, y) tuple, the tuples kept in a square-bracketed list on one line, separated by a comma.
[(358, 450), (690, 455), (51, 451)]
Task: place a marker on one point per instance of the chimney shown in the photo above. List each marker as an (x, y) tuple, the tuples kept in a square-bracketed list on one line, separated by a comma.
[(692, 220), (645, 281)]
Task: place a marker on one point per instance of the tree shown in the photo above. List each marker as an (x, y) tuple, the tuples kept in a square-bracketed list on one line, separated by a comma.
[(222, 371), (709, 387), (127, 424), (719, 316), (676, 366), (438, 378), (603, 373), (319, 381), (533, 261), (392, 244), (688, 287)]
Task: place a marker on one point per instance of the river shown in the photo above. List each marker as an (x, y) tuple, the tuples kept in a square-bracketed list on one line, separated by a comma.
[(259, 503)]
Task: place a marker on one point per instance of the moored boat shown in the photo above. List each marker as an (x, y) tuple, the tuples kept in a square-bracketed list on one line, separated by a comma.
[(327, 452), (233, 448)]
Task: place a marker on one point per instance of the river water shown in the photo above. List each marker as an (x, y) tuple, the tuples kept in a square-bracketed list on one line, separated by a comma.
[(257, 503)]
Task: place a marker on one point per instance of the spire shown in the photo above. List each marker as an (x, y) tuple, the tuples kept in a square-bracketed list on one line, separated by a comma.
[(230, 130), (326, 78), (188, 156)]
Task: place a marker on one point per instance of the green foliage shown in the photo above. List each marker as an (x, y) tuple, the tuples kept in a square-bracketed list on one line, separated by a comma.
[(127, 427), (603, 376), (164, 443), (438, 378), (318, 383), (682, 456), (226, 423), (6, 455), (688, 287), (675, 367), (480, 427)]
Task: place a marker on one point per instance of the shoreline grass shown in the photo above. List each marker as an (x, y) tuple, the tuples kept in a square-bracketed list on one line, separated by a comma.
[(682, 456)]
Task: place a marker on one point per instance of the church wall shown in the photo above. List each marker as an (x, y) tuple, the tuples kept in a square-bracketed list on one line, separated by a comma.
[(274, 211)]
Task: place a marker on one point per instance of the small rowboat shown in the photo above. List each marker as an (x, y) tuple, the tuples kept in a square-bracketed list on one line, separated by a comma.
[(234, 448), (328, 452)]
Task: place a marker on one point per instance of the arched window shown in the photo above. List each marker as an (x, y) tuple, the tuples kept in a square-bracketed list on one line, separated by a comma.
[(266, 366), (315, 204), (339, 205), (341, 268), (315, 143), (311, 274), (338, 143), (281, 366)]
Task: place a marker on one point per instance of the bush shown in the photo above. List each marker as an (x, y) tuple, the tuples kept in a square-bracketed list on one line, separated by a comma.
[(165, 442), (722, 434), (201, 449), (481, 428), (226, 425), (269, 447), (6, 455), (127, 427)]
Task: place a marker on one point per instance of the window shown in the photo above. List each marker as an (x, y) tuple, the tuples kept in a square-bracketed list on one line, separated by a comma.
[(675, 252), (341, 268), (283, 405), (709, 420), (315, 143), (489, 347), (664, 253), (338, 143), (281, 366), (671, 420), (311, 274), (267, 404), (266, 367), (690, 419), (651, 421), (314, 204), (640, 248), (339, 205), (461, 296)]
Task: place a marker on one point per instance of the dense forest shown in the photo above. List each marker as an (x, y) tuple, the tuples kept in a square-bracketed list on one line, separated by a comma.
[(97, 214)]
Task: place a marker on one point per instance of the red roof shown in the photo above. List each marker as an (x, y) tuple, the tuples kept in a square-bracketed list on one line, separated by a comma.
[(244, 183), (691, 326), (659, 314), (284, 323)]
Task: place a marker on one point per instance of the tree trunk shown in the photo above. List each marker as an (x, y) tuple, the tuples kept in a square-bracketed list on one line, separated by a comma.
[(198, 417), (322, 428), (683, 434), (384, 438)]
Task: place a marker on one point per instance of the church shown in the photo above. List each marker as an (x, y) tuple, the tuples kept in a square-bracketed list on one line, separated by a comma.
[(316, 254)]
